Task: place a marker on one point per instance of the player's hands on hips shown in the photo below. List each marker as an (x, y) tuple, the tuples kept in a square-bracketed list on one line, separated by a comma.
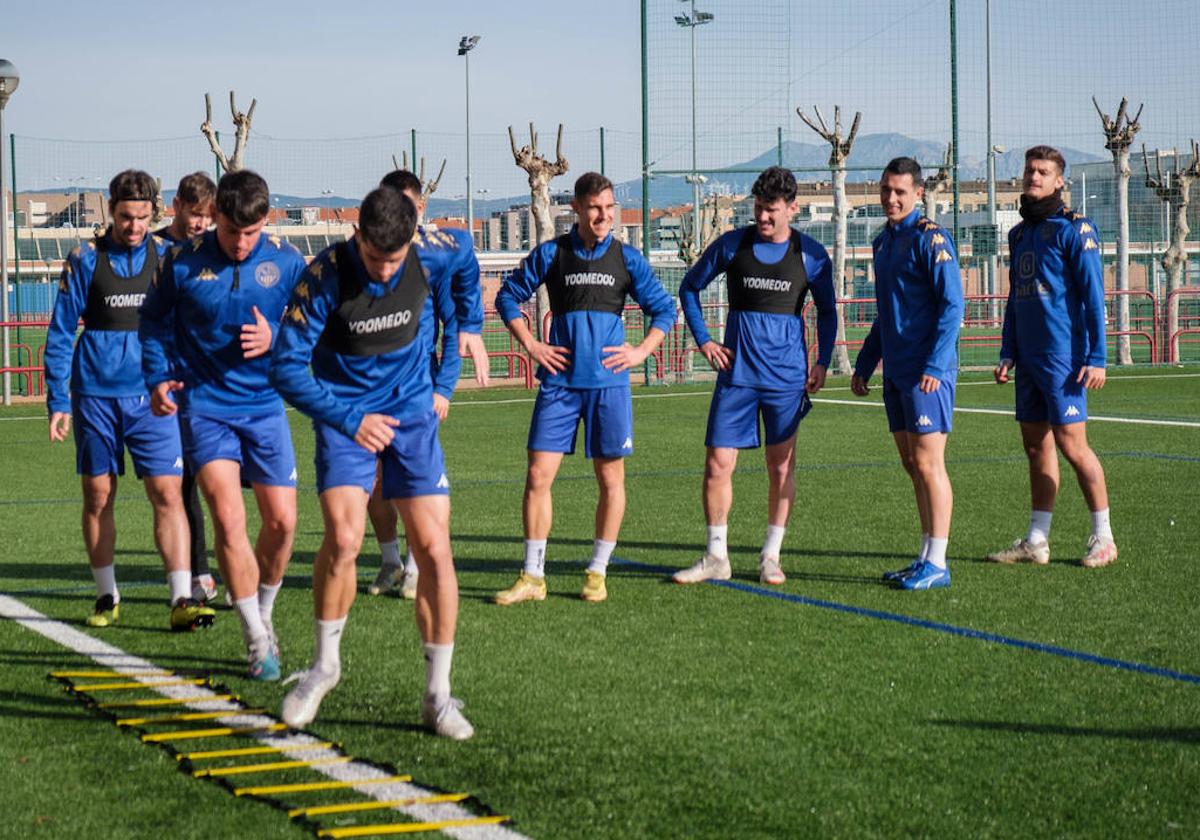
[(60, 425), (623, 357), (162, 404), (1001, 371), (718, 355), (929, 384), (555, 359), (441, 406), (375, 432), (858, 386), (470, 345), (1091, 377), (256, 337), (816, 379)]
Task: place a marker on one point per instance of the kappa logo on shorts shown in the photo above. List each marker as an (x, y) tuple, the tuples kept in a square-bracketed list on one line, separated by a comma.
[(628, 444), (1071, 411), (266, 274), (443, 482), (924, 420), (178, 463), (292, 477)]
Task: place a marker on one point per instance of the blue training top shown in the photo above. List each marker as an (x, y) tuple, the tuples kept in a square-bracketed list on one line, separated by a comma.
[(918, 289), (586, 331), (192, 323), (769, 348), (1055, 292), (455, 249)]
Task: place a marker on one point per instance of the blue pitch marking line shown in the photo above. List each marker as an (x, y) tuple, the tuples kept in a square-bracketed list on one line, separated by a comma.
[(953, 630)]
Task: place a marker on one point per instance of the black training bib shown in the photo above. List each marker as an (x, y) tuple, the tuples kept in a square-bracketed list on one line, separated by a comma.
[(370, 326)]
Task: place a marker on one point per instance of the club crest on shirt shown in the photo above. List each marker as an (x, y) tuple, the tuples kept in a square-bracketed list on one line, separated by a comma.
[(266, 274)]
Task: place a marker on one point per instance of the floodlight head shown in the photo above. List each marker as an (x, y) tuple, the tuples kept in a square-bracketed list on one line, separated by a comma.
[(9, 80), (467, 43), (703, 17), (683, 20)]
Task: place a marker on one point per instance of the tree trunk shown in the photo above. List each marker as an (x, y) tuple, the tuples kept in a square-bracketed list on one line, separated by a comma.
[(1174, 261), (841, 210), (1121, 164)]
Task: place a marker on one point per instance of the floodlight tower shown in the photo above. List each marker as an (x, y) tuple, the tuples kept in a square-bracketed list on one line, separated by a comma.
[(690, 21), (9, 79), (465, 45)]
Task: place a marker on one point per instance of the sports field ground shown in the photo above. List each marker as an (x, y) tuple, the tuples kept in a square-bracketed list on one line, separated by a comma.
[(1021, 702)]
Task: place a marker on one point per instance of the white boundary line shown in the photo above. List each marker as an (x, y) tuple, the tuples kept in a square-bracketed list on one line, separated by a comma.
[(1182, 424), (118, 660)]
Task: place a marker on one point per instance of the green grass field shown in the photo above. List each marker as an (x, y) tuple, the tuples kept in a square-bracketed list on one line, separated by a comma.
[(840, 709)]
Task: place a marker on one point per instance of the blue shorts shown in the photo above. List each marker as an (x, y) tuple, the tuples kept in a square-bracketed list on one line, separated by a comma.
[(734, 412), (1048, 393), (106, 426), (262, 444), (607, 415), (911, 410), (413, 464)]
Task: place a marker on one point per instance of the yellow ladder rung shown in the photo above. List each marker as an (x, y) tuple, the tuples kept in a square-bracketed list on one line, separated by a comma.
[(303, 787), (125, 686), (93, 674), (166, 701), (215, 715), (371, 805), (240, 751), (407, 828), (187, 734), (269, 767)]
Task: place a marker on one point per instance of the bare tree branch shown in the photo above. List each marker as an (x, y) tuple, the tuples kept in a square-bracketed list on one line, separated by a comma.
[(206, 128)]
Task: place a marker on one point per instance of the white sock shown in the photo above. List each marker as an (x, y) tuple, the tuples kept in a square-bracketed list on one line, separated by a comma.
[(390, 553), (328, 656), (718, 545), (1039, 526), (1101, 527), (936, 554), (266, 600), (437, 671), (410, 564), (601, 553), (180, 583), (774, 541), (924, 547), (253, 629), (535, 558), (106, 582)]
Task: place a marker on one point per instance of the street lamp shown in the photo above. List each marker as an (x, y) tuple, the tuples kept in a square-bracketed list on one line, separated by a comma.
[(690, 21), (9, 79), (465, 45), (325, 194)]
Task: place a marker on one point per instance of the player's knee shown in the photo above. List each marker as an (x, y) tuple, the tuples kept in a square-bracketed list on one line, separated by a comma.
[(538, 479), (344, 545), (96, 499), (280, 524)]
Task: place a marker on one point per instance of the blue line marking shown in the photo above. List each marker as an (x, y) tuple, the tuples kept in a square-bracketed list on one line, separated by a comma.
[(965, 632)]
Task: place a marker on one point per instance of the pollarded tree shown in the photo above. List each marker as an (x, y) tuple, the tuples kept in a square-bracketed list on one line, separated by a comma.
[(241, 124), (1118, 135), (839, 151), (428, 188), (1175, 190), (540, 171), (938, 183)]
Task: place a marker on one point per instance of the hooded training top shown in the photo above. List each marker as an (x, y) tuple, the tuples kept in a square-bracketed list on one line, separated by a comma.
[(918, 290), (589, 286), (192, 323), (1055, 291), (106, 359), (768, 283), (368, 343)]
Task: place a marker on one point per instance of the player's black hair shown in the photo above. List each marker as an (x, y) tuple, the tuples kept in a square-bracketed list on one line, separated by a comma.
[(775, 183), (1047, 153), (131, 185), (243, 197), (591, 183), (402, 180), (904, 166), (196, 188), (387, 219)]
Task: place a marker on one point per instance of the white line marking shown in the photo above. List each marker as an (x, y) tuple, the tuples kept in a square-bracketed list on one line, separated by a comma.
[(1183, 424), (118, 660)]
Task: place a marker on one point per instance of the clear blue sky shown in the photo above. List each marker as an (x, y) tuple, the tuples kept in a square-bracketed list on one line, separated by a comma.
[(360, 70)]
